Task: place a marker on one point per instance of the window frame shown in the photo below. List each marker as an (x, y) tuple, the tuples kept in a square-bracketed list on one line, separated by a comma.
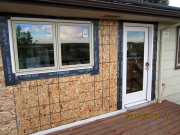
[(56, 45), (177, 66)]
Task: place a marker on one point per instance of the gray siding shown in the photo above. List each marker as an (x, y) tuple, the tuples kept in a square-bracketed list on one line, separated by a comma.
[(170, 76)]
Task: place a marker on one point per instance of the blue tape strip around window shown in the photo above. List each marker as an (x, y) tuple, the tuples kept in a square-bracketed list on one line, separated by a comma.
[(12, 79)]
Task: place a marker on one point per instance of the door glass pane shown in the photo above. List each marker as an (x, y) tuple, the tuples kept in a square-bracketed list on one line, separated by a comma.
[(75, 42), (34, 45), (135, 61)]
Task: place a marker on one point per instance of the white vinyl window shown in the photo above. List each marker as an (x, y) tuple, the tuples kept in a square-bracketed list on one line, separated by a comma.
[(43, 46)]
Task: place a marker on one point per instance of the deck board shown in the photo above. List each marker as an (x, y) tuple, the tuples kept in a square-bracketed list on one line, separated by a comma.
[(115, 124)]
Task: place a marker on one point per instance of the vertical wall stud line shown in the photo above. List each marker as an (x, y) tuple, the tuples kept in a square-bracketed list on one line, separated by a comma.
[(49, 103), (78, 97), (59, 100), (38, 103), (109, 65), (102, 63), (15, 111)]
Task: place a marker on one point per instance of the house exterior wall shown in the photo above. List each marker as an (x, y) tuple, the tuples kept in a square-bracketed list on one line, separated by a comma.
[(38, 105), (170, 76), (7, 106)]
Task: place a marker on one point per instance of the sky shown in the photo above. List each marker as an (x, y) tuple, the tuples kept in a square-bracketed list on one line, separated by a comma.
[(68, 34), (73, 34), (174, 3), (135, 37), (38, 32)]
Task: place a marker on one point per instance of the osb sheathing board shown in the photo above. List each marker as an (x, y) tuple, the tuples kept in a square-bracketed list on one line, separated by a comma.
[(48, 103)]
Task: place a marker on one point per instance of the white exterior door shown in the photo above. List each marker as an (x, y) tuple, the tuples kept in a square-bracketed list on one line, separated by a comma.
[(135, 58)]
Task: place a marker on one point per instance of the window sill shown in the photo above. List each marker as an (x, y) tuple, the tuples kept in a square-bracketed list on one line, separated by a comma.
[(52, 71)]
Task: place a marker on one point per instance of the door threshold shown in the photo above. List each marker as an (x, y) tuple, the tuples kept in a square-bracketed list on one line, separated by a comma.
[(136, 104)]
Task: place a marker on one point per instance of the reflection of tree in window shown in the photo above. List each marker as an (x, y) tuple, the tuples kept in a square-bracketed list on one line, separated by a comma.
[(31, 54), (135, 60)]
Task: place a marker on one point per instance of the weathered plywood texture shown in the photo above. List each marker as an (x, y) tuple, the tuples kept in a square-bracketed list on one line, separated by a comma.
[(7, 106), (48, 103)]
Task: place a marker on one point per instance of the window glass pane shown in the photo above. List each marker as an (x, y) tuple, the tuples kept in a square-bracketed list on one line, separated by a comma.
[(34, 45), (135, 60), (75, 42), (179, 47)]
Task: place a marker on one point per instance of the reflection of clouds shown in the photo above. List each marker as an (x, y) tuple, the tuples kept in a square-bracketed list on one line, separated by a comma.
[(47, 27), (73, 34), (36, 28), (135, 36), (26, 29), (30, 29), (37, 32), (80, 34)]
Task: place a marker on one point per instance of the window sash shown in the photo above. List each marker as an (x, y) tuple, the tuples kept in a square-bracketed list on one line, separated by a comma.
[(90, 46)]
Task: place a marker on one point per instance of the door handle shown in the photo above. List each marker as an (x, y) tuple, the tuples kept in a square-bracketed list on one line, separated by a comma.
[(147, 64)]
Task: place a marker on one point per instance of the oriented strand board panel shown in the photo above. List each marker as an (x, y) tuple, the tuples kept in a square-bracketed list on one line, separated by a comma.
[(7, 106)]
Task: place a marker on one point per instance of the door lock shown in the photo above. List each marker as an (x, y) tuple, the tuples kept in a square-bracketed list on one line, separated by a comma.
[(147, 65)]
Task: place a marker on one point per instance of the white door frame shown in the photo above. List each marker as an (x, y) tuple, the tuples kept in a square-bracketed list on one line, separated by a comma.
[(150, 47), (142, 93)]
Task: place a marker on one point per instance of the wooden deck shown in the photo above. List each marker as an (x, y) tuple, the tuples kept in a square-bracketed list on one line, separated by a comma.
[(149, 126)]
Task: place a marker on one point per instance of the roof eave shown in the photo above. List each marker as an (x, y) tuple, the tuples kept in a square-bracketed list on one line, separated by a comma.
[(104, 6)]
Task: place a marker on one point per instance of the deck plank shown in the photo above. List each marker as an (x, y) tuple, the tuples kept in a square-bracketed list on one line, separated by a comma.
[(119, 128), (138, 127), (104, 128), (102, 121), (118, 123), (167, 129)]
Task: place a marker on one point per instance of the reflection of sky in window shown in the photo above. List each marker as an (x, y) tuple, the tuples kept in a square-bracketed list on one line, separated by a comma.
[(135, 36), (38, 32), (73, 34)]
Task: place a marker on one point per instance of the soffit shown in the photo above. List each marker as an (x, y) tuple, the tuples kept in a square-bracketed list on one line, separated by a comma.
[(82, 13)]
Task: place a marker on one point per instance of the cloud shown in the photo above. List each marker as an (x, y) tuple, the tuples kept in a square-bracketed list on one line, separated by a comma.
[(31, 29), (35, 28), (47, 26), (80, 34), (26, 29)]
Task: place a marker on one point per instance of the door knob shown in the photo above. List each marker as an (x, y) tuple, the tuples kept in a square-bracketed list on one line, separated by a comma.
[(147, 64)]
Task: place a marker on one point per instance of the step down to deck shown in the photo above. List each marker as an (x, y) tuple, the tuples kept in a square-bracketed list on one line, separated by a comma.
[(138, 104)]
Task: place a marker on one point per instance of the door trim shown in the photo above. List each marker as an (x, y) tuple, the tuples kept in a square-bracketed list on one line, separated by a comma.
[(150, 55)]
